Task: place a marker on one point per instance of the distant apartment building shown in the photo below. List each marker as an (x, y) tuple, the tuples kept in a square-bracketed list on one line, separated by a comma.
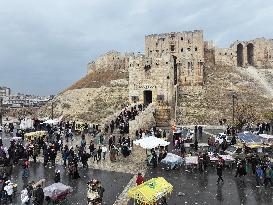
[(4, 91), (21, 100)]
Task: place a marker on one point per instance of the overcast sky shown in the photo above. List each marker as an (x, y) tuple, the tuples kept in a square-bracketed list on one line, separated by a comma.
[(46, 45)]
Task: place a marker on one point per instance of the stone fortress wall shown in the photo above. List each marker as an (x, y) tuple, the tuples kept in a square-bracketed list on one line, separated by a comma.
[(111, 60), (151, 74), (187, 48), (174, 63), (257, 52)]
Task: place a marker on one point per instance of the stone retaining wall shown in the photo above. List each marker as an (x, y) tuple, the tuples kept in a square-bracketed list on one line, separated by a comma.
[(145, 120)]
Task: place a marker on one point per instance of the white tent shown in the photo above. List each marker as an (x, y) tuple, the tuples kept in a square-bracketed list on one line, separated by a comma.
[(172, 160), (26, 124), (54, 121), (151, 142)]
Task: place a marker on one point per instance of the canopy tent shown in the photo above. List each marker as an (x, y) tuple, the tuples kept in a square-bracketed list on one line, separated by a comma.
[(54, 121), (26, 124), (151, 142), (248, 137), (150, 191), (191, 160), (267, 138), (224, 157), (172, 160), (33, 135), (55, 190)]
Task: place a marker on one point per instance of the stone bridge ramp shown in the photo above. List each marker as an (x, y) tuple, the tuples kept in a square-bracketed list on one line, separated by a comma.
[(263, 78)]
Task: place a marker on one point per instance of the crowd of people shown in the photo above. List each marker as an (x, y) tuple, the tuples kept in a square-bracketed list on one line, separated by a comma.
[(60, 140)]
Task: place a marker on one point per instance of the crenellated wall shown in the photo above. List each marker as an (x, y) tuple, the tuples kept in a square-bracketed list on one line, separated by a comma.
[(111, 60), (187, 48)]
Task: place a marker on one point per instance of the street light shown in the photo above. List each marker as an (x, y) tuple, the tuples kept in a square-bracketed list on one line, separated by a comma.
[(52, 110), (234, 95), (1, 111)]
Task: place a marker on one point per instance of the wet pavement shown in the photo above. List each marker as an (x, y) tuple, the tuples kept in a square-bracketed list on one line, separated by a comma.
[(113, 182), (201, 188)]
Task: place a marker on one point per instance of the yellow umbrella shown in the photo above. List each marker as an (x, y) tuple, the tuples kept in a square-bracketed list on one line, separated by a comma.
[(150, 191)]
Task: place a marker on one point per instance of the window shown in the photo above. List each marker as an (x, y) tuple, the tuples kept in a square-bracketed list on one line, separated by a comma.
[(182, 39), (135, 98), (166, 62), (189, 49), (147, 67), (151, 51), (156, 44), (172, 47), (157, 51), (195, 48), (160, 97), (163, 39), (189, 41), (225, 54), (181, 49)]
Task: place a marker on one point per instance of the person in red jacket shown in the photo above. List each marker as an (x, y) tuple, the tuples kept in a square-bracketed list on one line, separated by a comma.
[(139, 179)]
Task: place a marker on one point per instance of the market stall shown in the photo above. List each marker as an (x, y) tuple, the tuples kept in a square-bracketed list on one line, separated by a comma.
[(57, 192), (151, 191), (33, 135), (93, 192), (191, 162), (151, 142), (26, 124), (172, 160), (228, 159)]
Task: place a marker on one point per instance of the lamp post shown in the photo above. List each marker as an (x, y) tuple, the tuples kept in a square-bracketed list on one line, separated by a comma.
[(1, 111), (233, 94), (52, 110)]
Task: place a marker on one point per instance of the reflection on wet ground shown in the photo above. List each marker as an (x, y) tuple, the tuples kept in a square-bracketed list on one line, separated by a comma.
[(113, 182), (201, 188)]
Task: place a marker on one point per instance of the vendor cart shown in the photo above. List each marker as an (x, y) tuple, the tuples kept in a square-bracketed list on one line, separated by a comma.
[(172, 161), (57, 192), (93, 197), (151, 191), (34, 135)]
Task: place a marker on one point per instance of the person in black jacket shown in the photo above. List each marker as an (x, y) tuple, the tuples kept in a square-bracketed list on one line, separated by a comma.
[(39, 196), (219, 169), (57, 177)]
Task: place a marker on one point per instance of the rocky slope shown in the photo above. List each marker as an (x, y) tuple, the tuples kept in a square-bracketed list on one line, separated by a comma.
[(102, 92), (213, 101)]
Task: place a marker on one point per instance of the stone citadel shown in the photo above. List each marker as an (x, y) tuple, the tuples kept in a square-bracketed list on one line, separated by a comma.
[(176, 62)]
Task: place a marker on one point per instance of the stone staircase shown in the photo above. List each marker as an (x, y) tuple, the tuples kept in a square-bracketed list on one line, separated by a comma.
[(163, 116)]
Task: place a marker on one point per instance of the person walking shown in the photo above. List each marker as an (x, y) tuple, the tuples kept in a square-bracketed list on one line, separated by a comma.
[(57, 177), (39, 196), (219, 170), (259, 176), (268, 176), (9, 190), (24, 197), (139, 179), (104, 151), (99, 153), (95, 154)]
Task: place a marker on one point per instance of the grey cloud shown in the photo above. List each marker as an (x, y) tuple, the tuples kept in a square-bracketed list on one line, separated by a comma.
[(46, 45)]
